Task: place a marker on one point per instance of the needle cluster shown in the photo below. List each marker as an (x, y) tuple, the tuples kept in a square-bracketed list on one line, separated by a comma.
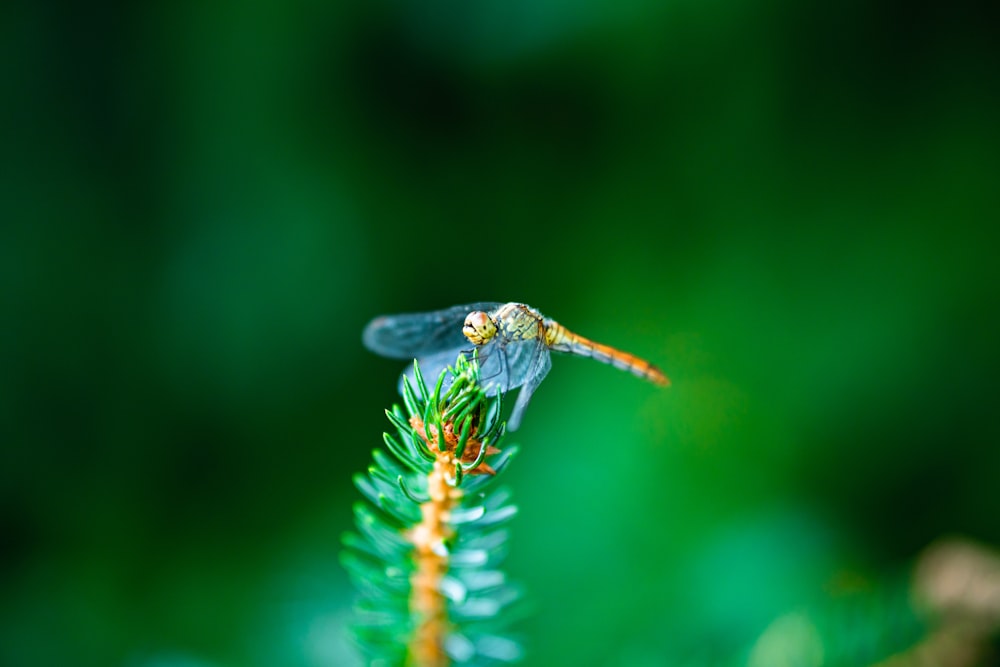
[(431, 536)]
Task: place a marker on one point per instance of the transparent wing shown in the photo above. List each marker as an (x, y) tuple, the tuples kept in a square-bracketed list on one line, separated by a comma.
[(535, 371), (410, 335), (493, 375), (504, 366), (524, 360)]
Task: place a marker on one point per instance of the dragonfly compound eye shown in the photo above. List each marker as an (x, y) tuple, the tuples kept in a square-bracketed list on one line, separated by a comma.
[(478, 328)]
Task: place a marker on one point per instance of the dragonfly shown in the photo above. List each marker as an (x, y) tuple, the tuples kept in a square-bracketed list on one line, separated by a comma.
[(513, 341)]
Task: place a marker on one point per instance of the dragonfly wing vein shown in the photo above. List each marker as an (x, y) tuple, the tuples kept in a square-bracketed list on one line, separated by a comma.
[(538, 367)]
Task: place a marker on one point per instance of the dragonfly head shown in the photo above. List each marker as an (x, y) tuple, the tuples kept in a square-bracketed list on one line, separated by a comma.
[(479, 328)]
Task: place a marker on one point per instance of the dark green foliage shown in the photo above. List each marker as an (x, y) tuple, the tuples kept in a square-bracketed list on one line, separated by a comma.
[(380, 558)]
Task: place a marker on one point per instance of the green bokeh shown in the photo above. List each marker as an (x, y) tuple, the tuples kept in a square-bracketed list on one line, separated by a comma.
[(792, 208)]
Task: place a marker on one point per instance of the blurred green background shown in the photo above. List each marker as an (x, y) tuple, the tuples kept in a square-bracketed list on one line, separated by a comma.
[(790, 207)]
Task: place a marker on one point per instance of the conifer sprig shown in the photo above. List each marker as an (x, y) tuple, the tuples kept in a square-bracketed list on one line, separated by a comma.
[(431, 537)]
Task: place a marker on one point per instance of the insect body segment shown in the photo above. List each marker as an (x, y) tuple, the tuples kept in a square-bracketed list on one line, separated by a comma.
[(564, 340)]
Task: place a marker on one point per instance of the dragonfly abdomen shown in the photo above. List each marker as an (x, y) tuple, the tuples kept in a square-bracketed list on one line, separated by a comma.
[(561, 339)]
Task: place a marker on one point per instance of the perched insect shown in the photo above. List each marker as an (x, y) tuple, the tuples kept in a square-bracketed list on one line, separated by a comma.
[(514, 341)]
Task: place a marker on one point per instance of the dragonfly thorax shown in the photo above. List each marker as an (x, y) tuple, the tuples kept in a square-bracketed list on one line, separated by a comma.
[(479, 328), (518, 322)]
